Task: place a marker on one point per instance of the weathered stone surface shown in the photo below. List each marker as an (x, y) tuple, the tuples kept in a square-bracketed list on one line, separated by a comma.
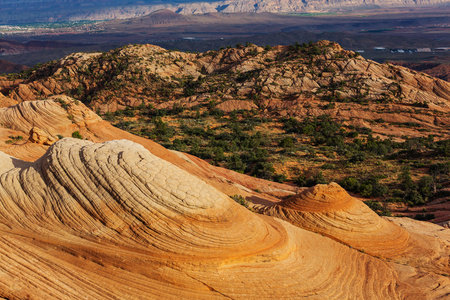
[(112, 219), (232, 105), (61, 116), (39, 136), (331, 211), (277, 82)]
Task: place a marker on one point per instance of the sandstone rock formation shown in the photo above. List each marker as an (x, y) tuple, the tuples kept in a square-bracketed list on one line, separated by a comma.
[(331, 211), (61, 116), (438, 70), (128, 219), (283, 81), (112, 220)]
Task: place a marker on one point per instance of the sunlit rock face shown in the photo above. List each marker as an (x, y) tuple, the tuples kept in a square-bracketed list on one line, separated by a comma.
[(113, 220)]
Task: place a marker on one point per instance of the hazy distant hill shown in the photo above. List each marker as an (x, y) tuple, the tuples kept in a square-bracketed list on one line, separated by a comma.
[(29, 11), (258, 6)]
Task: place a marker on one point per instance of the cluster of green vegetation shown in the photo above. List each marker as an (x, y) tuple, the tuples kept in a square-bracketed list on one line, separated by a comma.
[(14, 139), (246, 142), (233, 142), (56, 25), (77, 135), (348, 144)]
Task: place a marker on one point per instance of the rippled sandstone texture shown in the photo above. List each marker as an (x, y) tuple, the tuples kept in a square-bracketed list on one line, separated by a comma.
[(44, 121), (112, 220), (331, 211), (123, 220)]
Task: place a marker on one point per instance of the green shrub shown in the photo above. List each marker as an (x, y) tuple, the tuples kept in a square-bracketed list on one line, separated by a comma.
[(280, 178), (235, 163), (239, 199), (424, 217), (426, 186), (77, 135), (378, 208), (286, 142), (369, 187), (413, 197), (263, 170)]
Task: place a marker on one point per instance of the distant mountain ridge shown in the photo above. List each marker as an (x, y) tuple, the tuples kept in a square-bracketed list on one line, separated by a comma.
[(30, 11), (277, 6)]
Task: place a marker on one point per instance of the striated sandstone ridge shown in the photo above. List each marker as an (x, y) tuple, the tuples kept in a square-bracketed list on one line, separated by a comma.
[(40, 123), (331, 211), (277, 82), (112, 220)]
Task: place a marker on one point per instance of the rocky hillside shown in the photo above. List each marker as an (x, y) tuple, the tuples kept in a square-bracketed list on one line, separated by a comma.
[(280, 81), (435, 69), (134, 220), (304, 114)]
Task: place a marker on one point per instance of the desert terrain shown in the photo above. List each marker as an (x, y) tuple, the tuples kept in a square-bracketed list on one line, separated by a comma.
[(255, 164), (305, 114), (130, 219), (391, 28)]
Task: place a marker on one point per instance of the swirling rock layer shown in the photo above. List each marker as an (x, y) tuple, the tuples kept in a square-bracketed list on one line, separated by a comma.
[(113, 220), (331, 211), (61, 116)]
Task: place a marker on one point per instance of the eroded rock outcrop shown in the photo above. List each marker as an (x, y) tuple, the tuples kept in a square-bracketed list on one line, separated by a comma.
[(154, 226), (113, 220), (331, 211), (61, 116), (283, 81)]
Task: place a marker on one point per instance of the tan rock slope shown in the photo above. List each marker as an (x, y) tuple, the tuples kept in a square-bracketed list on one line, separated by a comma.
[(40, 123), (331, 211), (113, 221)]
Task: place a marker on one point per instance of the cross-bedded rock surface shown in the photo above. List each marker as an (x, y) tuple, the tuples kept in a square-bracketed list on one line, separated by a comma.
[(40, 123), (113, 221), (331, 211), (129, 219)]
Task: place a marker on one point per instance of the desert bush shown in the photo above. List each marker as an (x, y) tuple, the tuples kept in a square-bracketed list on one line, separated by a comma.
[(286, 142), (77, 135), (424, 217), (378, 208), (239, 199)]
